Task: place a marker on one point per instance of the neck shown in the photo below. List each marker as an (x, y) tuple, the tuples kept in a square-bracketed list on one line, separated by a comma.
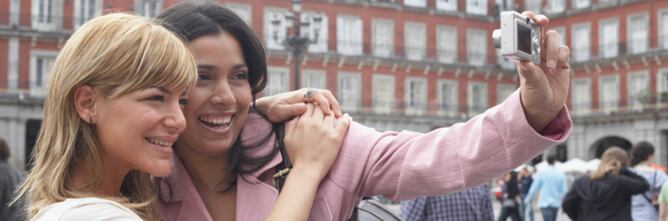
[(207, 172), (112, 177)]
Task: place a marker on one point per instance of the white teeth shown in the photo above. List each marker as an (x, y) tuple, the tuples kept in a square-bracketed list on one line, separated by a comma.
[(159, 142), (216, 121)]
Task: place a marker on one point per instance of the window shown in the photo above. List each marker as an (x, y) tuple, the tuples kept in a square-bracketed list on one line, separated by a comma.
[(148, 8), (556, 6), (46, 14), (242, 10), (415, 40), (383, 37), (662, 87), (41, 63), (581, 96), (416, 3), (638, 93), (608, 93), (447, 96), (663, 29), (446, 44), (349, 35), (533, 5), (609, 33), (383, 93), (446, 5), (415, 95), (561, 30), (505, 5), (637, 33), (476, 44), (320, 35), (477, 97), (314, 79), (274, 34), (476, 7), (504, 91), (277, 80), (578, 4), (349, 91), (581, 42), (85, 10)]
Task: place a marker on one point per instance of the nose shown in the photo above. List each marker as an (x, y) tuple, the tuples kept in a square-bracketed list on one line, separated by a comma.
[(223, 95), (175, 119)]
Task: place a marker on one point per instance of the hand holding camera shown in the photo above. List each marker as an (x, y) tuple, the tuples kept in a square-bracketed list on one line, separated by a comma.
[(541, 62)]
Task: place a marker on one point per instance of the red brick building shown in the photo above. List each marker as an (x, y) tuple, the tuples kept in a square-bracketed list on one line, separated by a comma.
[(395, 64)]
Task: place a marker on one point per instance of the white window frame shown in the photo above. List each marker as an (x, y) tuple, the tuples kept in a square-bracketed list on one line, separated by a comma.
[(556, 6), (415, 99), (244, 11), (503, 91), (505, 5), (80, 19), (382, 30), (476, 7), (475, 50), (446, 44), (448, 104), (269, 14), (640, 44), (634, 94), (416, 3), (580, 4), (349, 100), (533, 5), (608, 100), (54, 10), (662, 87), (581, 54), (472, 107), (354, 45), (39, 88), (320, 46), (314, 79), (446, 5), (663, 30), (415, 41), (608, 43), (278, 80), (141, 5), (383, 101), (581, 100)]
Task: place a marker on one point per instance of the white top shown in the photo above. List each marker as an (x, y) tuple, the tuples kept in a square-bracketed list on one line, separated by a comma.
[(86, 209)]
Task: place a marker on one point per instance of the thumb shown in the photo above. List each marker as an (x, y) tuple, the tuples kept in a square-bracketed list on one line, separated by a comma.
[(342, 126), (528, 70), (298, 109)]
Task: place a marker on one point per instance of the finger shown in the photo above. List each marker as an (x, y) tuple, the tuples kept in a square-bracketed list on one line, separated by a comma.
[(342, 126), (291, 125), (552, 50), (336, 108), (329, 122), (564, 57), (309, 110), (318, 114), (322, 102), (528, 70), (297, 109), (542, 20)]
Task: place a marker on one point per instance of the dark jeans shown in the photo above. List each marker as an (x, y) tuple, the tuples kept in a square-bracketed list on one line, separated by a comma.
[(549, 213), (512, 212)]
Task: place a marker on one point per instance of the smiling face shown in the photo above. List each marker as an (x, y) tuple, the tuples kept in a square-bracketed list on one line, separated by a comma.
[(137, 130), (220, 101)]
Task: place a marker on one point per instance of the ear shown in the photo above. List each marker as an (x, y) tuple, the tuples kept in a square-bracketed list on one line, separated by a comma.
[(85, 99)]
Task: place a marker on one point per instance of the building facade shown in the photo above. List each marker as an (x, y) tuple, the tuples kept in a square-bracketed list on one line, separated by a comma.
[(395, 64)]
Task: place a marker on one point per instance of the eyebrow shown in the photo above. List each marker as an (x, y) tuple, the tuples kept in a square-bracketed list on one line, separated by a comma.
[(164, 90)]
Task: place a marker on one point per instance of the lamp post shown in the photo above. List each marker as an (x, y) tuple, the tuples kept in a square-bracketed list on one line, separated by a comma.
[(296, 41)]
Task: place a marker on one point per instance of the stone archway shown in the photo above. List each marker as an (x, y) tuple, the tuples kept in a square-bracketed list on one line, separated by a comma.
[(598, 147)]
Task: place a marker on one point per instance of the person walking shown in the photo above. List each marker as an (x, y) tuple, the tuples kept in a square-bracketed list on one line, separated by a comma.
[(470, 204), (525, 184), (551, 183), (511, 198), (605, 195), (644, 206), (10, 178)]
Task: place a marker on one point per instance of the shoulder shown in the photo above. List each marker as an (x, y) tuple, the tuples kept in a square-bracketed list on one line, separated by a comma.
[(86, 209)]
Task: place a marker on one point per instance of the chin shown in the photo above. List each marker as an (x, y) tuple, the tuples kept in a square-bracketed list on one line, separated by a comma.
[(161, 169)]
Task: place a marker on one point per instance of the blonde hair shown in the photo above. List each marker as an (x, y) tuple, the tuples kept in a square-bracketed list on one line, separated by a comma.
[(613, 160), (115, 54)]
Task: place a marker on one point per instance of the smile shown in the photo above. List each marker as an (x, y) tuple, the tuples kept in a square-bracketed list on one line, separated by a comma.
[(216, 122)]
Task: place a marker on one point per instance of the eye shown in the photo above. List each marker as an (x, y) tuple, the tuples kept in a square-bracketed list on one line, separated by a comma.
[(183, 101), (241, 75), (203, 76), (157, 98)]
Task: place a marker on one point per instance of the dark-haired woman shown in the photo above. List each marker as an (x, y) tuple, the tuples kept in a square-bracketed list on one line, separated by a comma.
[(398, 165), (511, 199), (642, 157)]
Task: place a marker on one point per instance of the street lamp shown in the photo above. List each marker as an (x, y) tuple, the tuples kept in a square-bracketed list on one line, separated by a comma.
[(297, 41)]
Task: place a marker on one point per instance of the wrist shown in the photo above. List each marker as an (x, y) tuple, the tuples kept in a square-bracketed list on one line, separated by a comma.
[(307, 172)]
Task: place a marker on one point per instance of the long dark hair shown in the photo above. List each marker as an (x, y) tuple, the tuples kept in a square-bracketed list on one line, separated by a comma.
[(640, 152), (192, 20), (512, 187)]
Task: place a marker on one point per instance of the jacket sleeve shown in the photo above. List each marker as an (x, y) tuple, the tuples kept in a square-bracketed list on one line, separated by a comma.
[(632, 182), (571, 203), (402, 165)]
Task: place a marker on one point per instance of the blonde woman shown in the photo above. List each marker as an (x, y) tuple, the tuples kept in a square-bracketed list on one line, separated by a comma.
[(606, 193), (113, 111)]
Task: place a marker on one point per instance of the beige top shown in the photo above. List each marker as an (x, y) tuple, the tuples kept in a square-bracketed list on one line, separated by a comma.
[(86, 209)]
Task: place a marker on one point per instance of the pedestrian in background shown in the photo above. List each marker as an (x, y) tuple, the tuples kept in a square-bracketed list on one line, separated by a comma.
[(663, 202), (551, 183), (644, 206), (605, 194), (511, 198), (471, 204), (525, 184), (10, 178)]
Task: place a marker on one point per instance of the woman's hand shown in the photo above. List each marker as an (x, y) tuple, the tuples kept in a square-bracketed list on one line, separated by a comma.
[(314, 139), (284, 106), (544, 87)]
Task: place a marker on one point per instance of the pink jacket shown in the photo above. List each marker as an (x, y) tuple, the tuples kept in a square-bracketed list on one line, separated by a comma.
[(398, 165)]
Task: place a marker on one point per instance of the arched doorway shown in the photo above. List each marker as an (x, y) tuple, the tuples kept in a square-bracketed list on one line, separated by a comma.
[(603, 144)]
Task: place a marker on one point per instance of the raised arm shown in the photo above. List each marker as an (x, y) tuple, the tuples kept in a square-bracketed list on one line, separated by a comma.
[(284, 106)]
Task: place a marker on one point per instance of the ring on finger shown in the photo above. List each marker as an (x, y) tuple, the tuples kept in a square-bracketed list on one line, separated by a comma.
[(308, 95)]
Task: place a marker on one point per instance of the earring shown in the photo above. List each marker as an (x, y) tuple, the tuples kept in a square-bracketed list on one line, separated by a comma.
[(90, 120)]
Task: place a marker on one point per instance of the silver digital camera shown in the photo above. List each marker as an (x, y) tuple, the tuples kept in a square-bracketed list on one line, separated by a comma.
[(519, 37)]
